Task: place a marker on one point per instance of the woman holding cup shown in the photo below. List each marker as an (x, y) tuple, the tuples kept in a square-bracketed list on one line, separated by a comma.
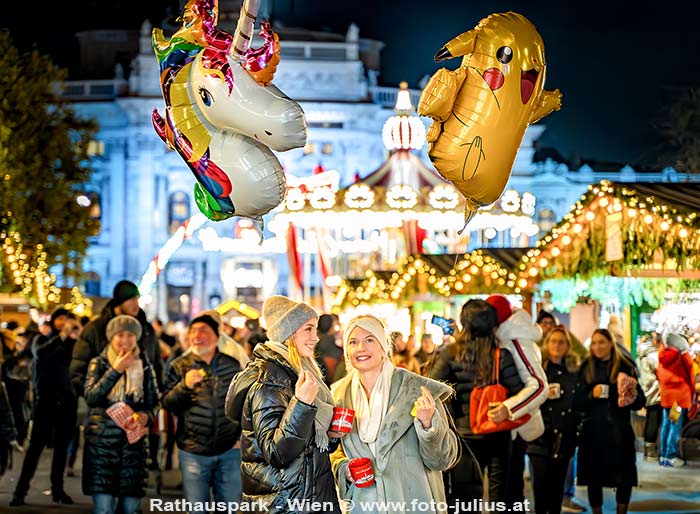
[(551, 452), (285, 411), (401, 439), (606, 393)]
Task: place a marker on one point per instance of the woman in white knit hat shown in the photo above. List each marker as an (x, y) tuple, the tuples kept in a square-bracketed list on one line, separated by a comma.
[(400, 424), (285, 411), (114, 467)]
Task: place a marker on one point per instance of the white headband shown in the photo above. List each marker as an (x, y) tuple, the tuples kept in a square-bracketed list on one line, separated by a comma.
[(371, 325)]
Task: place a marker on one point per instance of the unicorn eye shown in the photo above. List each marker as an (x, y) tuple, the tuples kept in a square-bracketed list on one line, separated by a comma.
[(205, 96)]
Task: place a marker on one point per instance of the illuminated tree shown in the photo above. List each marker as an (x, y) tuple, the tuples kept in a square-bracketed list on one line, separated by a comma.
[(43, 169)]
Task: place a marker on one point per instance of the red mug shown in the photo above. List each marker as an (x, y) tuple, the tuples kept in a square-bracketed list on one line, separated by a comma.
[(361, 472), (342, 419)]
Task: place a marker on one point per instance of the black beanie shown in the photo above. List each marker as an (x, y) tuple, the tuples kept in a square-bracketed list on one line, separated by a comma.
[(205, 318), (123, 291), (57, 314)]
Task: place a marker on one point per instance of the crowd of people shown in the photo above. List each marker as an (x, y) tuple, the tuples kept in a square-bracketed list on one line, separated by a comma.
[(251, 412)]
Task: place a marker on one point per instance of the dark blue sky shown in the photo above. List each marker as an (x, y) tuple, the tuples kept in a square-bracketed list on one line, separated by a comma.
[(616, 62)]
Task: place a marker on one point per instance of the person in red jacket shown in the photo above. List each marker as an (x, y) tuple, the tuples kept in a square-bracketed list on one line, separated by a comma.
[(677, 384)]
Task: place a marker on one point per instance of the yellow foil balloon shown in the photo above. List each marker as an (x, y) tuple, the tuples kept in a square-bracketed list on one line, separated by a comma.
[(481, 110)]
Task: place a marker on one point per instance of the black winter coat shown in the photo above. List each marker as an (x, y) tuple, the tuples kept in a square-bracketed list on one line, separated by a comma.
[(202, 425), (110, 464), (7, 421), (94, 339), (52, 359), (280, 461), (606, 447), (462, 377), (560, 420)]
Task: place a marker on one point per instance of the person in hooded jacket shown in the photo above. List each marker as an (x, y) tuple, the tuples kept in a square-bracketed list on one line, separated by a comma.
[(93, 339), (285, 411), (551, 452), (401, 425), (607, 455), (468, 363), (677, 384), (113, 469), (520, 336)]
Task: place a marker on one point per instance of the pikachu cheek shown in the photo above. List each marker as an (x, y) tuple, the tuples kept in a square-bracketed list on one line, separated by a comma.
[(494, 78)]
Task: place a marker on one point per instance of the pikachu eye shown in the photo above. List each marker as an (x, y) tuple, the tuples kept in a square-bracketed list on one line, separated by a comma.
[(504, 54)]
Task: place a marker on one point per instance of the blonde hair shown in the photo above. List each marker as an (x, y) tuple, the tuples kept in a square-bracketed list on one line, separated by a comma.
[(570, 360), (295, 359)]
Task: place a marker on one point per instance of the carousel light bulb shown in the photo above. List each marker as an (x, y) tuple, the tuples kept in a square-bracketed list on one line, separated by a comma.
[(665, 226), (556, 251), (590, 216), (648, 219)]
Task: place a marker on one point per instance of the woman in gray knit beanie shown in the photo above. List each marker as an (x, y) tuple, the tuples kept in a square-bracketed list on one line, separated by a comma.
[(285, 411), (114, 458)]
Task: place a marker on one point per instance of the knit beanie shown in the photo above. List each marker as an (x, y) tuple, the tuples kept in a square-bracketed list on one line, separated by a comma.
[(676, 341), (372, 325), (57, 314), (502, 306), (123, 323), (123, 291), (283, 317), (209, 320)]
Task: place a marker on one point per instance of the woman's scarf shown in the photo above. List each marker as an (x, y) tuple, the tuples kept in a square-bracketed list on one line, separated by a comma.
[(369, 412), (131, 382), (323, 401)]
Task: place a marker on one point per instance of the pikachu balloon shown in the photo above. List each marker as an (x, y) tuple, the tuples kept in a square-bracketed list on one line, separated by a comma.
[(481, 110)]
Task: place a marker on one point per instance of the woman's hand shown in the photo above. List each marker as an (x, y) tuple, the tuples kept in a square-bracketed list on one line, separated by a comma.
[(348, 476), (498, 413), (306, 387), (123, 361), (136, 419), (335, 435), (425, 408)]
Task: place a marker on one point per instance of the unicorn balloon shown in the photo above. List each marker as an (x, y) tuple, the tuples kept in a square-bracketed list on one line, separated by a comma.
[(222, 115)]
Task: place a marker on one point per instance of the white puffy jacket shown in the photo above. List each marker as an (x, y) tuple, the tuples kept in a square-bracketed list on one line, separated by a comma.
[(520, 336)]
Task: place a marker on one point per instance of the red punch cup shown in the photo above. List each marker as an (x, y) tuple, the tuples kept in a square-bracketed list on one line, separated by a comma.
[(342, 419), (362, 472)]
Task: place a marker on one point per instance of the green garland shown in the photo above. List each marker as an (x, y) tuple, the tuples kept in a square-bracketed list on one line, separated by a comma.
[(614, 292)]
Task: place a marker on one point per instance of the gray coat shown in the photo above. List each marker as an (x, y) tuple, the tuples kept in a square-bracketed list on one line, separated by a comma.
[(410, 460)]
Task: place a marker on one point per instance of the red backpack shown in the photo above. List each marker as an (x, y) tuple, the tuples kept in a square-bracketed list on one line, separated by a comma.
[(480, 399)]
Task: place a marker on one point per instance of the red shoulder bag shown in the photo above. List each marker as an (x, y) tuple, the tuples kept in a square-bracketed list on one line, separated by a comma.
[(480, 399)]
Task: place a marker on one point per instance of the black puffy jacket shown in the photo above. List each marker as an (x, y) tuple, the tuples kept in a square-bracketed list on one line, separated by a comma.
[(110, 464), (202, 425), (93, 340), (560, 419), (449, 367), (280, 461)]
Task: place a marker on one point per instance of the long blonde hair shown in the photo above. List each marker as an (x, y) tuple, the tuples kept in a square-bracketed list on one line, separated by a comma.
[(295, 359)]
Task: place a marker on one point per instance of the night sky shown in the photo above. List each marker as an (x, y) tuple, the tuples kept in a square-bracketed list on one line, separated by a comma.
[(617, 62)]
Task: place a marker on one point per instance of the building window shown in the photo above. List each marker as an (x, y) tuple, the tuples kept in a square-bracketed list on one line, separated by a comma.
[(95, 206), (546, 219), (327, 148), (92, 284), (309, 148), (178, 211)]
